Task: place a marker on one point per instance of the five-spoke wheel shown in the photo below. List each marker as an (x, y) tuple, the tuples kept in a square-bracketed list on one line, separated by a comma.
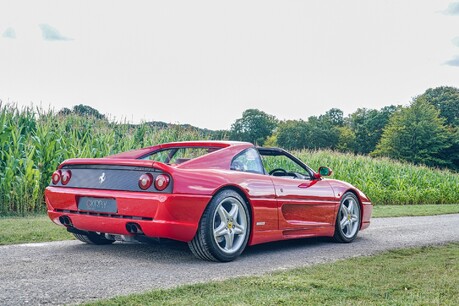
[(224, 228), (348, 219), (230, 225)]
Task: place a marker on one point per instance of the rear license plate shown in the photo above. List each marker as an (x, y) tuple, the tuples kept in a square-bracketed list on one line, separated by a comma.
[(97, 204)]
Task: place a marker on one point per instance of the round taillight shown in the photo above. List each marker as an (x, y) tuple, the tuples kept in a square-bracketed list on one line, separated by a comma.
[(66, 176), (161, 182), (56, 177), (145, 181)]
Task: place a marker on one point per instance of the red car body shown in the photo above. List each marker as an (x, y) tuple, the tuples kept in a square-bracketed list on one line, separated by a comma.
[(280, 207)]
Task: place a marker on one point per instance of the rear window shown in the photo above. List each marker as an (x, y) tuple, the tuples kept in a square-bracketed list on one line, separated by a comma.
[(179, 155)]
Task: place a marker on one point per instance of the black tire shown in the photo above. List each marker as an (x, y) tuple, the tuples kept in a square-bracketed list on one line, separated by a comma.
[(93, 238), (207, 246), (347, 224)]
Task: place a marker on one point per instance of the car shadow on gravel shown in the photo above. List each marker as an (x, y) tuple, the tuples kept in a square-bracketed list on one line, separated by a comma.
[(286, 245), (169, 251), (282, 247)]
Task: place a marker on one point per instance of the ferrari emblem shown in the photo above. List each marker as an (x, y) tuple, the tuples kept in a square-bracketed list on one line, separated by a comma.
[(102, 178)]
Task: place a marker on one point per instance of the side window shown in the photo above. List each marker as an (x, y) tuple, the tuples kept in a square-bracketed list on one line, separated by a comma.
[(248, 161), (282, 165)]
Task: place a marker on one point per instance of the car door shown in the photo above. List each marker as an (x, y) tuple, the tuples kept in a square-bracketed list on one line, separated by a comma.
[(303, 202)]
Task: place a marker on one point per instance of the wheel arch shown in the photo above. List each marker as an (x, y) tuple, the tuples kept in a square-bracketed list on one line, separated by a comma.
[(204, 244)]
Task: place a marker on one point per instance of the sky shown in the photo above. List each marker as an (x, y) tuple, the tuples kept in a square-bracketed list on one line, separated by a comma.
[(205, 62)]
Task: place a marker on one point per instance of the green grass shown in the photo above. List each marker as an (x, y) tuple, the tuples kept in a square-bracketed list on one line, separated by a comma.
[(418, 276), (15, 230), (380, 211)]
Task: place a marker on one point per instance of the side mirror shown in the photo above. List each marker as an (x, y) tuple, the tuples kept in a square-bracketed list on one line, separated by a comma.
[(325, 171)]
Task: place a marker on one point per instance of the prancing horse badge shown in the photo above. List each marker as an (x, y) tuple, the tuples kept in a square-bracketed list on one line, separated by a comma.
[(102, 178)]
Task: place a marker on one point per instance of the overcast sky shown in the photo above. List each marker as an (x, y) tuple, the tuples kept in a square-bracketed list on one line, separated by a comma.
[(205, 62)]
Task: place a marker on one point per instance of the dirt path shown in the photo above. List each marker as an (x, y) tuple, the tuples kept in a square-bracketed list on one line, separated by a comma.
[(72, 272)]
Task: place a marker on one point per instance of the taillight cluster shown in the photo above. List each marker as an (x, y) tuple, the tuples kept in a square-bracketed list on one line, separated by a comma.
[(161, 181), (146, 180), (63, 176)]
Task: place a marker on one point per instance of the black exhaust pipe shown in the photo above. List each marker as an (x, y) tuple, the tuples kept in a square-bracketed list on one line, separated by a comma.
[(134, 228), (65, 220)]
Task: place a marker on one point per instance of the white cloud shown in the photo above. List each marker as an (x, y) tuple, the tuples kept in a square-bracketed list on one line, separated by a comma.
[(51, 34), (453, 62), (9, 33), (452, 9)]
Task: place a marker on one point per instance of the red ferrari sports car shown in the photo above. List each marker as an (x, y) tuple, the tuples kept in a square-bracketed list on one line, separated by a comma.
[(218, 196)]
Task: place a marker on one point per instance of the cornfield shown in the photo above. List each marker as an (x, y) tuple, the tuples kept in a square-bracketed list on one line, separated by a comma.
[(387, 181), (34, 141)]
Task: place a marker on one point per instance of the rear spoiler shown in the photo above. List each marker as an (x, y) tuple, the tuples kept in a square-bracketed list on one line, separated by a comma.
[(117, 162)]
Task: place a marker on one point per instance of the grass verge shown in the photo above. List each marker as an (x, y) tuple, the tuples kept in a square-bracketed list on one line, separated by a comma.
[(380, 211), (30, 229), (418, 276)]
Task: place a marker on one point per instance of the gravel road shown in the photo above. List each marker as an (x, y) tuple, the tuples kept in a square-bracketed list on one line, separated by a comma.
[(72, 272)]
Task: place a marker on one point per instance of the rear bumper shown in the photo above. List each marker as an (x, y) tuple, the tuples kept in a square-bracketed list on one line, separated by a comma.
[(173, 216)]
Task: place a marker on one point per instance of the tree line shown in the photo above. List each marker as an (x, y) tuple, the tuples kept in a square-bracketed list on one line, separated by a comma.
[(424, 132)]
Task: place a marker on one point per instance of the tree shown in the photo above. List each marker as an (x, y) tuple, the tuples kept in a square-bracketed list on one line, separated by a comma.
[(415, 134), (333, 116), (450, 155), (368, 125), (293, 134), (323, 134), (254, 126), (347, 140), (446, 100), (86, 110), (64, 112), (271, 141), (316, 133), (82, 110)]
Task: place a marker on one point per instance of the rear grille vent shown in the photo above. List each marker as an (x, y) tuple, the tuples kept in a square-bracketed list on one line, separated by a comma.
[(76, 212)]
